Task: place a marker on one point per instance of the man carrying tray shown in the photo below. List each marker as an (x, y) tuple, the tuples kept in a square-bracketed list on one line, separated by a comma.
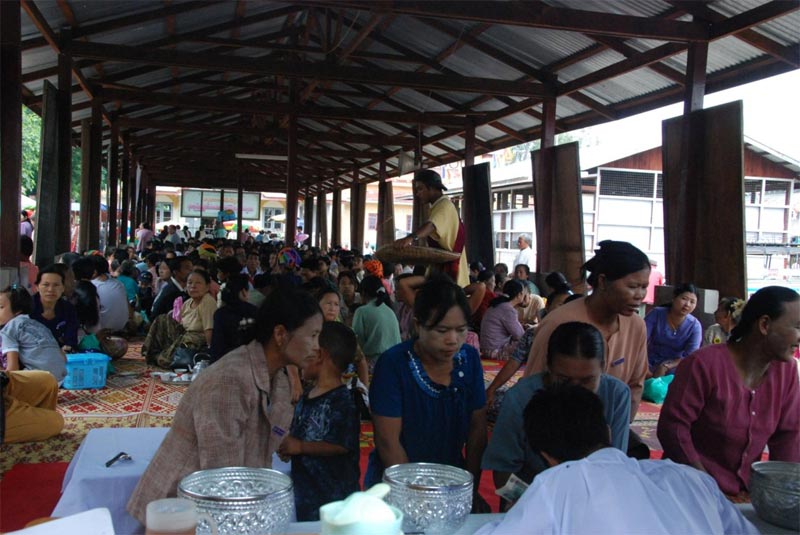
[(444, 228)]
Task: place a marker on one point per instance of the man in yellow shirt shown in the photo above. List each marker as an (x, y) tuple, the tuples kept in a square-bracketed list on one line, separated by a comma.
[(444, 228)]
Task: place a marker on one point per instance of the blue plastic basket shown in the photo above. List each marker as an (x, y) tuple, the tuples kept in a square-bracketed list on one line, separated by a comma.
[(86, 370)]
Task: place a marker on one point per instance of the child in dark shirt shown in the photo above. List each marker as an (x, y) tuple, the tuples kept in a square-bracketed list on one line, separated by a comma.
[(323, 443)]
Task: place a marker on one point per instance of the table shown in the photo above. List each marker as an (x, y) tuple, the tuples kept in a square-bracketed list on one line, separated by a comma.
[(88, 484), (473, 523)]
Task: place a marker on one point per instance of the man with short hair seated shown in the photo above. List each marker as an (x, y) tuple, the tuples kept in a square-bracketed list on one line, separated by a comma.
[(594, 488), (575, 354)]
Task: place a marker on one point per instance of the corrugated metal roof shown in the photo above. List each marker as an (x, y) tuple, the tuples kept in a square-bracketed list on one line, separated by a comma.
[(211, 30)]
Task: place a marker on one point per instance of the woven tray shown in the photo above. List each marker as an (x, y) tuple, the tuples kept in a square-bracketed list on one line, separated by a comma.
[(416, 255)]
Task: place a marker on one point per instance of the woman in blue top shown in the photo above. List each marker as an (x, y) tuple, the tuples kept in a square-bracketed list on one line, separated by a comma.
[(427, 394), (672, 332)]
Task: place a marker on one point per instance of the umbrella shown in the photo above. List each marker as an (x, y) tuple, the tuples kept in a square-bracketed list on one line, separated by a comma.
[(26, 203)]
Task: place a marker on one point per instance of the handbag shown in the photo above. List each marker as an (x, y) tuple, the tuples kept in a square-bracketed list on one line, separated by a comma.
[(184, 358)]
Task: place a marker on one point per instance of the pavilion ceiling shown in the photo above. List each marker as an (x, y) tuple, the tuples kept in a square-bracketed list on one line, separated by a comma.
[(191, 84)]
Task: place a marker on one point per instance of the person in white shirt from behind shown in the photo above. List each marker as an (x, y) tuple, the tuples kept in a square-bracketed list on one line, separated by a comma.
[(525, 254), (593, 488)]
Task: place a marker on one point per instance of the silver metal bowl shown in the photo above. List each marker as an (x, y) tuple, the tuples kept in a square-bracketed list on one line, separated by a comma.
[(242, 501), (775, 492), (435, 498)]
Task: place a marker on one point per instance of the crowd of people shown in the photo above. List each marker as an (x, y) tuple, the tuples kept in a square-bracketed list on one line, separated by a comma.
[(301, 340)]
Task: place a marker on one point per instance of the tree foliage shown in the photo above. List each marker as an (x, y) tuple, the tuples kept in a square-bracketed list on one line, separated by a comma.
[(31, 148)]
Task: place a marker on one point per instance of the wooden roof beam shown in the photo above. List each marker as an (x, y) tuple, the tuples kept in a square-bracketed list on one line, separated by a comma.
[(44, 28), (754, 17), (322, 71), (126, 20), (787, 54), (537, 15), (177, 38), (248, 106)]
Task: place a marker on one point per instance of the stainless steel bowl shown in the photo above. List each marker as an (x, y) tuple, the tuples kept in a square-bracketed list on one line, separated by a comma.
[(435, 498), (775, 492), (242, 501)]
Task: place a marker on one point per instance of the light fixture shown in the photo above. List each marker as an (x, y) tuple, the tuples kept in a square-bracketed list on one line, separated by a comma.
[(271, 157)]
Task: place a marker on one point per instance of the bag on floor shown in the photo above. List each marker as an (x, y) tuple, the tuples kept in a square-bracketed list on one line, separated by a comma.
[(655, 388)]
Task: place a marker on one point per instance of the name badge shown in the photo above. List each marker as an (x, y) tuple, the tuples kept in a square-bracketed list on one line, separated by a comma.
[(278, 430), (618, 362)]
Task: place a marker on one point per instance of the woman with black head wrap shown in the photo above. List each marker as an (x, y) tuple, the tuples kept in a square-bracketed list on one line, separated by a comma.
[(618, 274)]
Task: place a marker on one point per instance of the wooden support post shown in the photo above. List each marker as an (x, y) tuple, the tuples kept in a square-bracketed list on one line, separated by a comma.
[(86, 201), (336, 215), (358, 199), (420, 211), (322, 221), (62, 225), (138, 195), (292, 186), (385, 228), (695, 90), (113, 181), (239, 202), (469, 145), (308, 216), (545, 175), (151, 199), (47, 188), (559, 214), (10, 140), (95, 171), (125, 194), (476, 212)]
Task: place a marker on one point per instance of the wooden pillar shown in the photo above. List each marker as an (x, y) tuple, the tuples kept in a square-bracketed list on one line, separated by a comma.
[(469, 146), (125, 194), (151, 200), (544, 174), (559, 214), (476, 212), (358, 199), (95, 170), (292, 186), (10, 139), (322, 221), (113, 182), (239, 203), (62, 225), (136, 195), (336, 215), (419, 210), (308, 216), (386, 225), (86, 201), (47, 205)]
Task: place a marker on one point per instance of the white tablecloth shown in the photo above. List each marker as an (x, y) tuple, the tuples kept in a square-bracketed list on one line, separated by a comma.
[(474, 522), (89, 484), (470, 526)]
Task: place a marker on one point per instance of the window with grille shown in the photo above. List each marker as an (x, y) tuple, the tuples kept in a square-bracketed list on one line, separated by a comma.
[(619, 183)]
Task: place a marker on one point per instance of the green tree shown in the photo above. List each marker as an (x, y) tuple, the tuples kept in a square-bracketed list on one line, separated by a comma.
[(31, 147), (31, 142)]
